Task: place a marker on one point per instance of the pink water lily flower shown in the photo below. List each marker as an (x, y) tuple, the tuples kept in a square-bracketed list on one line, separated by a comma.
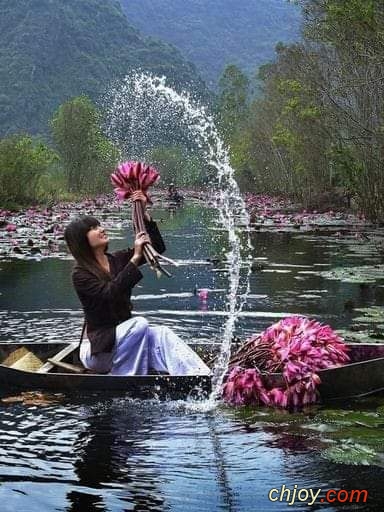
[(127, 178), (279, 397), (130, 176), (297, 347)]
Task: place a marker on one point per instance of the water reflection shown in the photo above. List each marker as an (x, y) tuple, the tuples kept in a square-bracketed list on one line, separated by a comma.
[(149, 456), (110, 453), (301, 441), (221, 465)]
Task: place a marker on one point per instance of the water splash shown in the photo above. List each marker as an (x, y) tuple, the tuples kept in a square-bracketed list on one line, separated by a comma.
[(143, 111)]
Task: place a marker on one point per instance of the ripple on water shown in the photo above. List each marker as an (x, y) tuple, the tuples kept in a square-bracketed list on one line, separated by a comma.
[(94, 454), (118, 454), (39, 445)]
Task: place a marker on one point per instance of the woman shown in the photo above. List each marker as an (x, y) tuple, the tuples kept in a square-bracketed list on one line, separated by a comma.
[(117, 343)]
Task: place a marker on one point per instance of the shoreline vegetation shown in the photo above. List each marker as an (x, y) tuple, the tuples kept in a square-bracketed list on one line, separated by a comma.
[(311, 126), (76, 167), (311, 131), (37, 231)]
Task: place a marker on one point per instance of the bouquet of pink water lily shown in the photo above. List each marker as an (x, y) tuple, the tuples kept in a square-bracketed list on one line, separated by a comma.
[(296, 347), (127, 178)]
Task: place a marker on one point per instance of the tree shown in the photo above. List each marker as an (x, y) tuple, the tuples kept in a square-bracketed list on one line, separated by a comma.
[(233, 111), (351, 35), (23, 160), (177, 165), (233, 98), (319, 126), (87, 155)]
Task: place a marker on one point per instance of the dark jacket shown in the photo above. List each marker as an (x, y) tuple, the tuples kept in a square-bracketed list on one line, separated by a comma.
[(107, 302)]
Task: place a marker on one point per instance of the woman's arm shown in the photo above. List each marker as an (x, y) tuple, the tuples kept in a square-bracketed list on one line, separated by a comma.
[(91, 288), (135, 256)]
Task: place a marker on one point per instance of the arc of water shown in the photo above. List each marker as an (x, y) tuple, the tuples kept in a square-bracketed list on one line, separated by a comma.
[(229, 203)]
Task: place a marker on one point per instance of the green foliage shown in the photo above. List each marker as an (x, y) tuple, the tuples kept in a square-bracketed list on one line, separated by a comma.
[(347, 170), (177, 166), (351, 12), (310, 112), (284, 137), (317, 132), (358, 10), (344, 22), (86, 155), (233, 113), (23, 162), (52, 186), (53, 50), (285, 85), (233, 97)]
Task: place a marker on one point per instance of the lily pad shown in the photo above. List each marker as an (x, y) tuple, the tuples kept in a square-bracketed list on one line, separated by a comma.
[(373, 313), (352, 454), (357, 437), (320, 427), (372, 437), (359, 275), (256, 416), (365, 319), (351, 418), (360, 336)]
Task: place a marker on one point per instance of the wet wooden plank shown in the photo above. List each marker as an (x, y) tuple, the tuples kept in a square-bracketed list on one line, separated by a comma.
[(58, 357)]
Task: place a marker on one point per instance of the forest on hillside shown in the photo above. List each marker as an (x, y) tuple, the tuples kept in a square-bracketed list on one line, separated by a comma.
[(52, 51), (214, 33), (315, 134)]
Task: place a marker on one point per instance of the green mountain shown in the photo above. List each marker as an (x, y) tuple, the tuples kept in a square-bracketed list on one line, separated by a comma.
[(214, 33), (51, 50)]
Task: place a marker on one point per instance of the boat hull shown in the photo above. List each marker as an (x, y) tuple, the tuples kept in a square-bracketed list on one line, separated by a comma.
[(148, 386), (363, 376)]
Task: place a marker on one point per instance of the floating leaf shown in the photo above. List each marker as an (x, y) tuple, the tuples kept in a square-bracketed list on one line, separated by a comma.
[(352, 454), (360, 275)]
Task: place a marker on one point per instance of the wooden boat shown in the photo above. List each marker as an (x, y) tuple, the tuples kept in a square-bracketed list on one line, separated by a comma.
[(363, 375), (55, 367)]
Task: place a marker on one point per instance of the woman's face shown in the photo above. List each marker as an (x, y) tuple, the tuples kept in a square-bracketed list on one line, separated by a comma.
[(97, 237)]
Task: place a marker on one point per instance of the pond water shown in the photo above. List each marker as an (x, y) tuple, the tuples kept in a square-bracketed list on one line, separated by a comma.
[(115, 454)]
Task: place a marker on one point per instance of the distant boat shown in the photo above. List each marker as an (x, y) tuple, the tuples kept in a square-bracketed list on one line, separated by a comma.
[(55, 367)]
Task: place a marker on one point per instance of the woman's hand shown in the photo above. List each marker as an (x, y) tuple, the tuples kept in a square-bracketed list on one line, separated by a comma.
[(139, 195), (141, 239)]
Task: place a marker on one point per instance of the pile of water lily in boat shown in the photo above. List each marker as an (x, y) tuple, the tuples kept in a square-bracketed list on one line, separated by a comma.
[(296, 347)]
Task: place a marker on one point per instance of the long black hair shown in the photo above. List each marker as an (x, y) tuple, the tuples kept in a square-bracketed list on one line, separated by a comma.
[(75, 235)]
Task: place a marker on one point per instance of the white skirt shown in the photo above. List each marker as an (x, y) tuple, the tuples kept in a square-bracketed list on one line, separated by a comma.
[(140, 348)]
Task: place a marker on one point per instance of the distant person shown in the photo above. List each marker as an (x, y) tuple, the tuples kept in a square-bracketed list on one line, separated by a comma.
[(115, 342), (174, 195)]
